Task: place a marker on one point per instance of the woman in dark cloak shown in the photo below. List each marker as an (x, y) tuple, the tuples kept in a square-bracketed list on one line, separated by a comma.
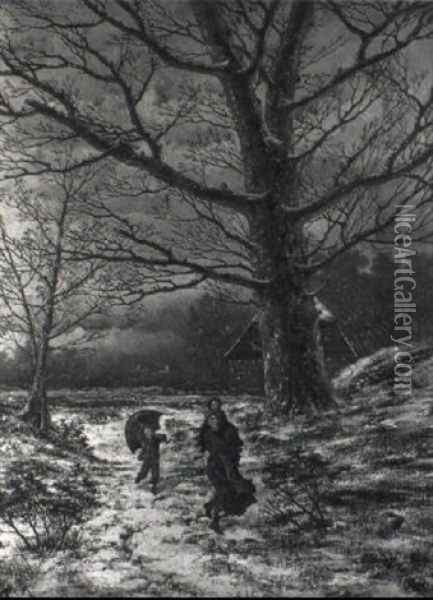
[(220, 440)]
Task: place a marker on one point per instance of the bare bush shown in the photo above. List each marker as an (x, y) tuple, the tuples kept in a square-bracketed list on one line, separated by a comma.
[(18, 574), (42, 504), (298, 482)]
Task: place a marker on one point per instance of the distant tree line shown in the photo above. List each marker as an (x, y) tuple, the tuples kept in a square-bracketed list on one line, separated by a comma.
[(358, 291), (189, 353)]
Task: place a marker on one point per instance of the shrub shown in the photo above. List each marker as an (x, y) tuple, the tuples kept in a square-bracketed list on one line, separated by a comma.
[(297, 484), (67, 436), (401, 556), (17, 575), (41, 503), (71, 434)]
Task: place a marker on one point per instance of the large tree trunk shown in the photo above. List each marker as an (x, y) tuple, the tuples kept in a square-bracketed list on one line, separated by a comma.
[(295, 380), (294, 372)]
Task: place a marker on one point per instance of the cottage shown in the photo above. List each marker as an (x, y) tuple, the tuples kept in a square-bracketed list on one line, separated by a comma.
[(244, 357)]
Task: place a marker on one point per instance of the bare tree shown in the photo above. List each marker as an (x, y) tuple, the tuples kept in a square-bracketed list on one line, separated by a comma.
[(290, 129), (45, 295)]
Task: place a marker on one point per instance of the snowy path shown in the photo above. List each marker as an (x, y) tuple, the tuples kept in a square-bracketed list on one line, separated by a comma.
[(140, 545)]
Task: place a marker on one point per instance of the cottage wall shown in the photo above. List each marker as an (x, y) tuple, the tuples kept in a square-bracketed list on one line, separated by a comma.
[(245, 365), (246, 376)]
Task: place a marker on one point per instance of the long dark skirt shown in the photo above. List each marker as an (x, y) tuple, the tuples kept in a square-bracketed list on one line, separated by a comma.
[(234, 494)]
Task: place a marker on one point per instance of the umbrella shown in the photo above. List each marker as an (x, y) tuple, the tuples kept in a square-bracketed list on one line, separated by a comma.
[(134, 426)]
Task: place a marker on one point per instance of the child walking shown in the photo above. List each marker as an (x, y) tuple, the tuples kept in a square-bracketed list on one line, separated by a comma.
[(149, 455)]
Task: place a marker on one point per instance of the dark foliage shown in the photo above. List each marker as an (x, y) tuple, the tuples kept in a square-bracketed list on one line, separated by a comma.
[(407, 562), (297, 482), (42, 503)]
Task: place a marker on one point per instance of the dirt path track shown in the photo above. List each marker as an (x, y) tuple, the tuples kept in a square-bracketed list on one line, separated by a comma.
[(137, 544)]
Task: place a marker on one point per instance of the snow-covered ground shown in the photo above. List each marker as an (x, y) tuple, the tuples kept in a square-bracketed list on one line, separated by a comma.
[(138, 544)]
